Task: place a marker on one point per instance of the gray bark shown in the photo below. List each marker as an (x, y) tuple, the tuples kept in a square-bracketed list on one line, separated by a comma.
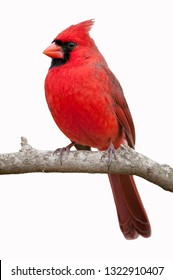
[(125, 161)]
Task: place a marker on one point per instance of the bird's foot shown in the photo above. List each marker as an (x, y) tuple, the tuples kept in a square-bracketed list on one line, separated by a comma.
[(109, 153), (60, 151)]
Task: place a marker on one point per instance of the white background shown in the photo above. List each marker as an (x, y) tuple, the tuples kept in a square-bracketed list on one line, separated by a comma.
[(72, 216)]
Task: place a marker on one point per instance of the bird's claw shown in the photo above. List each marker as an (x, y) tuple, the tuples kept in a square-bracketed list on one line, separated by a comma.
[(110, 152), (60, 151)]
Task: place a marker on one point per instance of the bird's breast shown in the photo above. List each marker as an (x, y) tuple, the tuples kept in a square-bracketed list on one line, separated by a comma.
[(82, 107)]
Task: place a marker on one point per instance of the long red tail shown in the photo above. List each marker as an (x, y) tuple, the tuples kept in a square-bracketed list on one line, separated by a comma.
[(132, 217)]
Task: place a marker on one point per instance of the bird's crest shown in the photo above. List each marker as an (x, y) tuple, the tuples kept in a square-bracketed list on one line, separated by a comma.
[(77, 32)]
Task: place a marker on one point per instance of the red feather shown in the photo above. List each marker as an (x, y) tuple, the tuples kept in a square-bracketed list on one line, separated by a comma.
[(88, 105)]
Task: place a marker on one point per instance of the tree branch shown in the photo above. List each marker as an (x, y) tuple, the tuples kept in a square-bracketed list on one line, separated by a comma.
[(127, 161)]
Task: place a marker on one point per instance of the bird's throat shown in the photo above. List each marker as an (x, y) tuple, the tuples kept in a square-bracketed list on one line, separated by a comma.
[(55, 62), (59, 61)]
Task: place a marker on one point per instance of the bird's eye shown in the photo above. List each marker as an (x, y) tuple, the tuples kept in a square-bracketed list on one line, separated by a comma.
[(71, 45)]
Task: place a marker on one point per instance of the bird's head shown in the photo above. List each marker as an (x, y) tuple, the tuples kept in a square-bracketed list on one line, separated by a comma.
[(72, 44)]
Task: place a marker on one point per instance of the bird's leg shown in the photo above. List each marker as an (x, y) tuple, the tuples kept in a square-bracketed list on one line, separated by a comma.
[(110, 152), (60, 151), (64, 149)]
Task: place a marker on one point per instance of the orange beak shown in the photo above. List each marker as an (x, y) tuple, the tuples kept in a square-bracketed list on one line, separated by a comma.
[(54, 51)]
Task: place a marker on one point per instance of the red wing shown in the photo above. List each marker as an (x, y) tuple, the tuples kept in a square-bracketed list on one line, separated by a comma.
[(125, 119), (122, 110)]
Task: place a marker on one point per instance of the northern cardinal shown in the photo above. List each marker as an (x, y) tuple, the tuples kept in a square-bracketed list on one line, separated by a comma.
[(88, 105)]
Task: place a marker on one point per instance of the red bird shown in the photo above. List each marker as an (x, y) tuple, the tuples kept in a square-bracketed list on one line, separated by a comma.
[(88, 105)]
